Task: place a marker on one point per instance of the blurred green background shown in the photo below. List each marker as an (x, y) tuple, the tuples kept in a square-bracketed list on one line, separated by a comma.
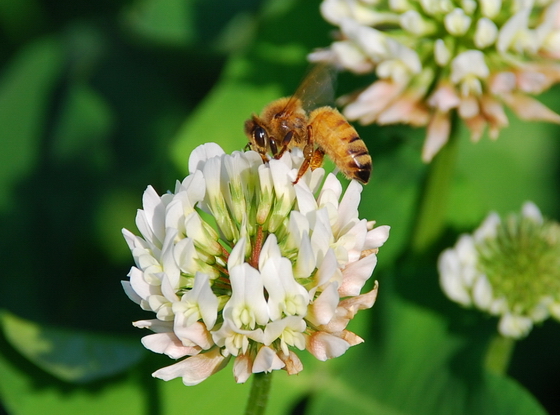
[(100, 99)]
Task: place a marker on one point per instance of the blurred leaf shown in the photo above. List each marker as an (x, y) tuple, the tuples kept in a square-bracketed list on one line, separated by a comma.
[(201, 399), (391, 195), (269, 69), (25, 89), (500, 175), (84, 124), (23, 392), (115, 210), (228, 105), (163, 21), (225, 26), (72, 356), (20, 19), (420, 367)]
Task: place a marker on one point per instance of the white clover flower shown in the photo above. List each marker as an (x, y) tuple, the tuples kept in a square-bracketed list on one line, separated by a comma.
[(475, 56), (241, 263), (509, 269)]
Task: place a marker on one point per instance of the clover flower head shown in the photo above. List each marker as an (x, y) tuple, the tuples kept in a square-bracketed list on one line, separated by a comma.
[(239, 263), (436, 58), (508, 268)]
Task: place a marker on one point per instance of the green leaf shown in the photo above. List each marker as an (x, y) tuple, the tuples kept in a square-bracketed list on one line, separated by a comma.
[(270, 68), (25, 90), (224, 26), (70, 355), (167, 21), (21, 19), (26, 392), (286, 391), (422, 362), (83, 128), (500, 175), (201, 399), (221, 116), (391, 195)]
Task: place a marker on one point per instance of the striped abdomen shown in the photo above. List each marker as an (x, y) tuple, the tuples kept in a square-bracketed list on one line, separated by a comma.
[(340, 141)]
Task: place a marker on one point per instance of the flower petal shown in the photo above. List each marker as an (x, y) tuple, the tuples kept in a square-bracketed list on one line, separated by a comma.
[(242, 368), (267, 360), (194, 369), (450, 278), (169, 344), (292, 362), (528, 108), (322, 309), (326, 346), (515, 326), (376, 237), (356, 274), (530, 210), (201, 154)]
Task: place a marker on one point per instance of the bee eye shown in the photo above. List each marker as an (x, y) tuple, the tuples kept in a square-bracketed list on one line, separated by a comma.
[(259, 135)]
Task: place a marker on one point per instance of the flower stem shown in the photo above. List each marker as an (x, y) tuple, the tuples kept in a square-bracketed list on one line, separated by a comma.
[(430, 220), (259, 239), (258, 397), (499, 354)]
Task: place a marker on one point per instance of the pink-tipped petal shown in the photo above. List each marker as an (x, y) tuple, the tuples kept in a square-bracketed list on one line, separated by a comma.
[(407, 110), (360, 302), (242, 368), (292, 362), (494, 113), (528, 108), (352, 338), (437, 135), (372, 101), (169, 344), (267, 360), (355, 275), (444, 98), (194, 369), (476, 126), (326, 346), (196, 333), (322, 309)]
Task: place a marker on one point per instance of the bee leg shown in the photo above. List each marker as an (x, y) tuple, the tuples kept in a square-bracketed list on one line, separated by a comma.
[(308, 154), (264, 156), (285, 142), (317, 159)]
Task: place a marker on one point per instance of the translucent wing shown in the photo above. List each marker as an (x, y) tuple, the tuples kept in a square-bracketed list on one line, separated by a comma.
[(316, 89)]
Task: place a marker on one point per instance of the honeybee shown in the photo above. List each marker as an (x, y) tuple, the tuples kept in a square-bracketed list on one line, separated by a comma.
[(296, 121)]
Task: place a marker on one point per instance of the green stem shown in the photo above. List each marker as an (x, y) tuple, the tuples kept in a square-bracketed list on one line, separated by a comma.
[(430, 220), (499, 354), (258, 397)]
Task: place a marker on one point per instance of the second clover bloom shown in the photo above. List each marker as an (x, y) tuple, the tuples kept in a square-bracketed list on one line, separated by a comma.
[(437, 58), (239, 263), (508, 268)]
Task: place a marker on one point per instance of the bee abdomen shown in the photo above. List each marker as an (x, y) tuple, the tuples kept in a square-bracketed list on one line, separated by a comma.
[(340, 141), (359, 167)]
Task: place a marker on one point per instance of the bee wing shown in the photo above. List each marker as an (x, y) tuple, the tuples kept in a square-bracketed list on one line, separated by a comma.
[(316, 89)]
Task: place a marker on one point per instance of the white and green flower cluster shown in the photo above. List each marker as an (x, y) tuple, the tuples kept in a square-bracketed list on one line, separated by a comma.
[(435, 58), (240, 262), (508, 268)]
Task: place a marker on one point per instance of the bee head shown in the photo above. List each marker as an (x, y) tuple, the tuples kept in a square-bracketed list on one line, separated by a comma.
[(259, 137)]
